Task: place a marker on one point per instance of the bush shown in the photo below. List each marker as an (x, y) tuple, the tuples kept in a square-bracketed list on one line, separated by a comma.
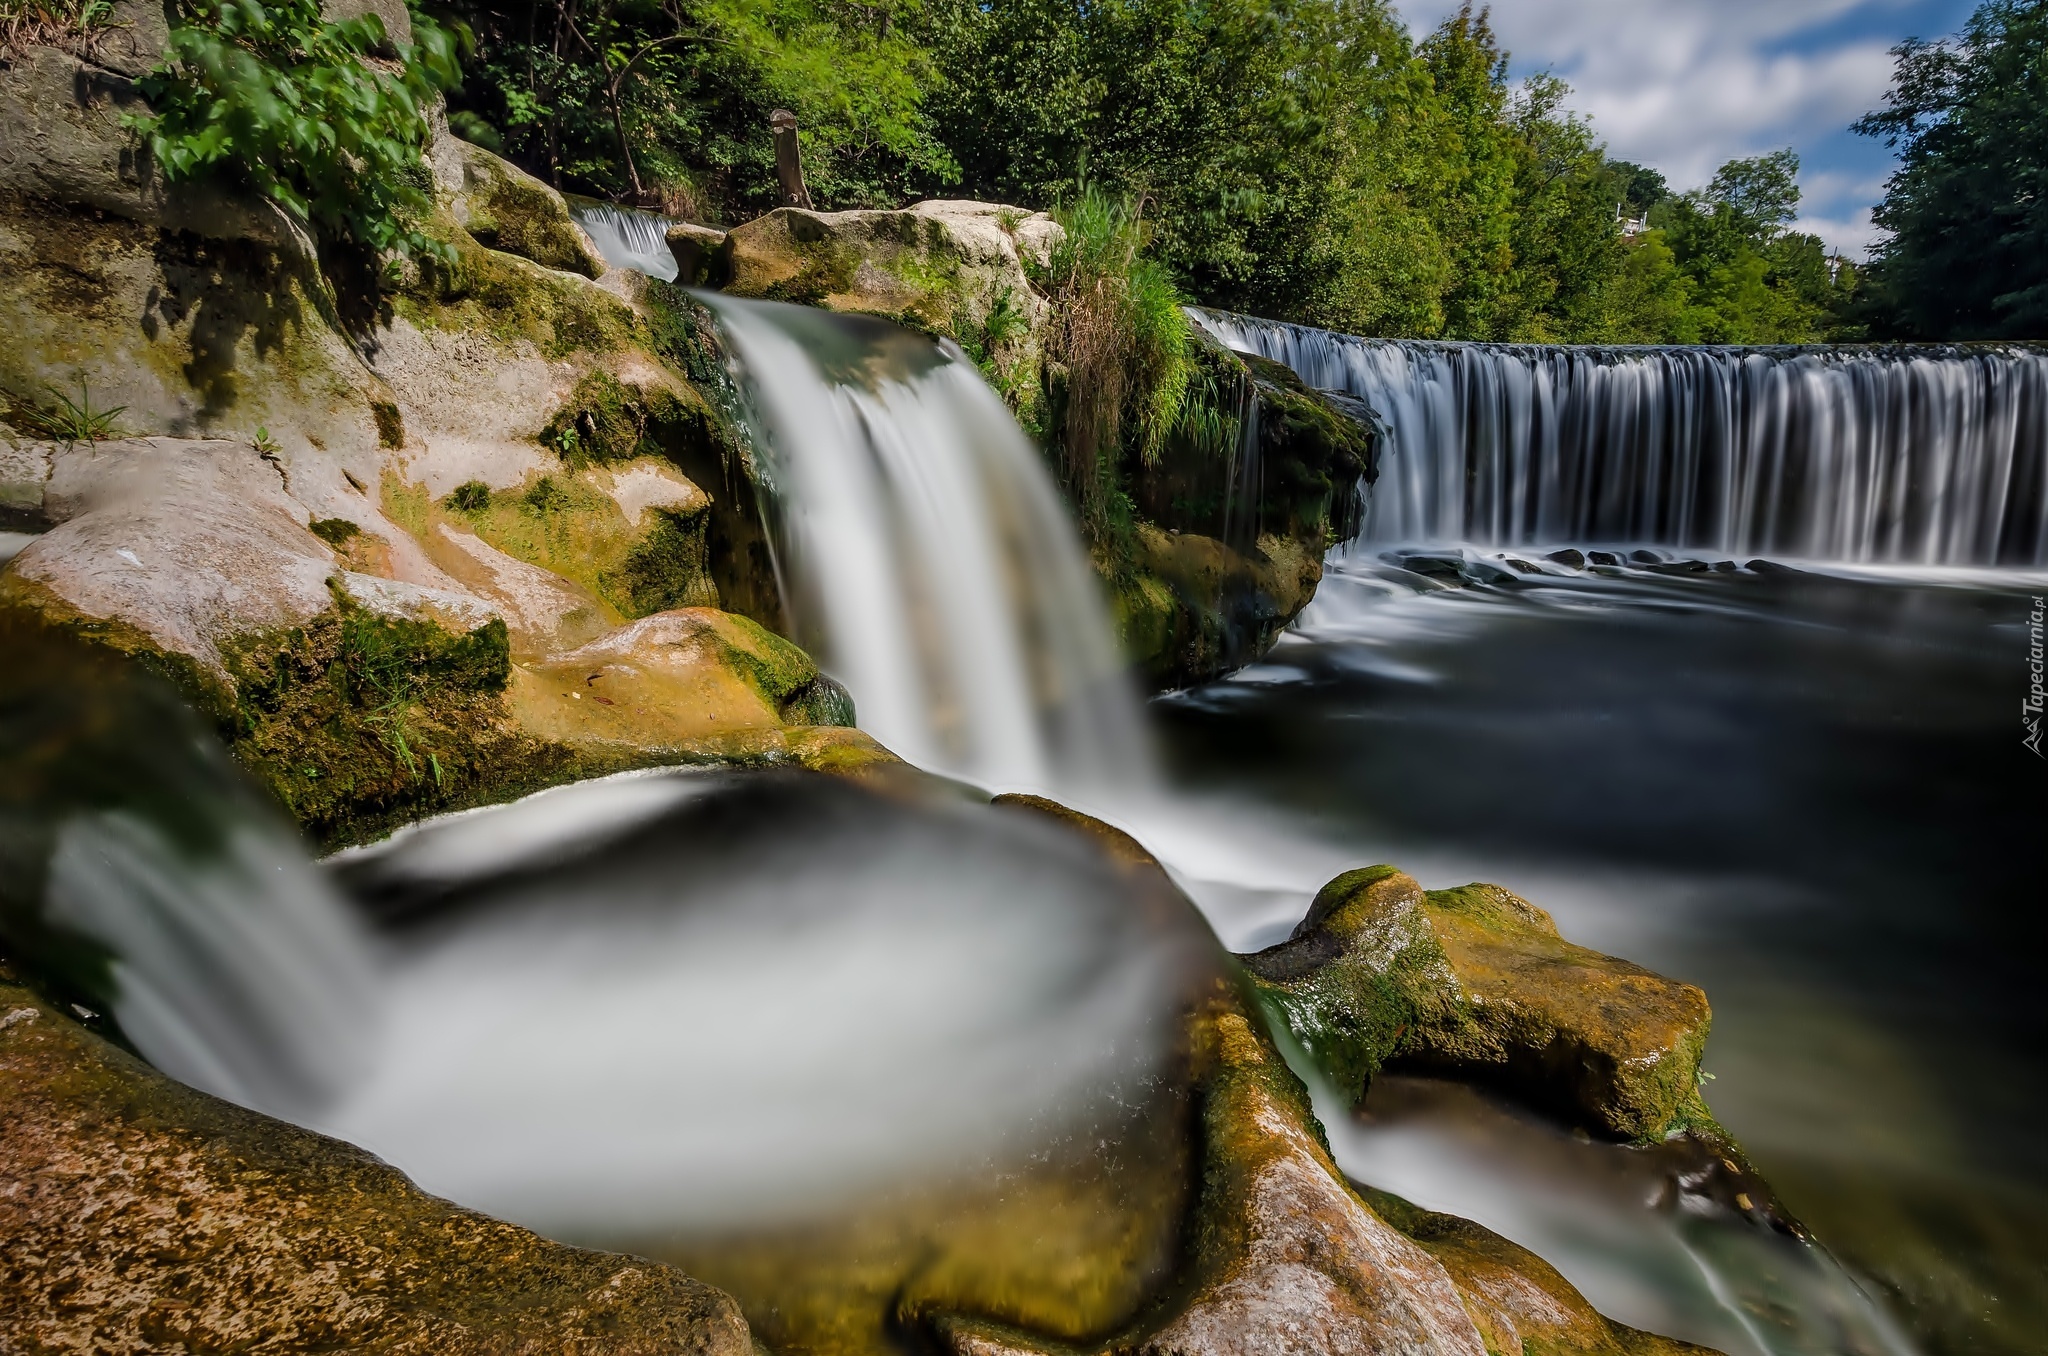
[(1117, 347), (297, 109)]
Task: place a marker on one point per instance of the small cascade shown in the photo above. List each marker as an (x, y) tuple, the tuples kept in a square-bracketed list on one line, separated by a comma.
[(926, 556), (1926, 455), (628, 238)]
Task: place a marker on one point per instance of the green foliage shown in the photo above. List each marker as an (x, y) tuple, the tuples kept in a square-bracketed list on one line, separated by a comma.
[(1118, 346), (471, 496), (270, 95), (666, 102), (65, 420), (1968, 205)]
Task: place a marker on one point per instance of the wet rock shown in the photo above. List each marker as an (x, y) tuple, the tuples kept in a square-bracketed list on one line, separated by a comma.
[(1521, 566), (1568, 557), (1642, 557), (1682, 567), (1724, 567), (1194, 608), (143, 1216), (1603, 558), (1476, 983), (1518, 1301)]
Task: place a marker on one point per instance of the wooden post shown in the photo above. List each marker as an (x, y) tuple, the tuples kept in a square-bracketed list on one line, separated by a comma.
[(788, 168)]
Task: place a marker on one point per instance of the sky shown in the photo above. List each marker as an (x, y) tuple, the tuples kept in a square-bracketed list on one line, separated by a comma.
[(1685, 85)]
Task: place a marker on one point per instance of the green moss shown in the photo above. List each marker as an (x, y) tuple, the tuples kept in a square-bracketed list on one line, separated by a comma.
[(667, 567), (335, 532), (513, 300), (607, 420), (390, 423), (518, 216)]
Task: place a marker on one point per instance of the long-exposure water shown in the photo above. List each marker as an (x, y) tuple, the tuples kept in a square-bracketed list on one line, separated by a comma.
[(1804, 791)]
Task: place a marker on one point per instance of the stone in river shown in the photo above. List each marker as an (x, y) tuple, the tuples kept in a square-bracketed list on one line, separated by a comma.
[(1575, 559)]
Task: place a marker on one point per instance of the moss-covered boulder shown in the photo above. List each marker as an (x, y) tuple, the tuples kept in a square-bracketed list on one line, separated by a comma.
[(505, 208), (143, 1216), (1189, 608), (1476, 983)]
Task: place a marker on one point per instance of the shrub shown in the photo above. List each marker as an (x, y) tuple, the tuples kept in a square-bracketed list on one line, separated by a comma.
[(471, 496), (1119, 345), (298, 110)]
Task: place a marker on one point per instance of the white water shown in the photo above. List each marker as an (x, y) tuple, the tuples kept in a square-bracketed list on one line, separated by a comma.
[(1927, 455), (927, 557), (629, 239)]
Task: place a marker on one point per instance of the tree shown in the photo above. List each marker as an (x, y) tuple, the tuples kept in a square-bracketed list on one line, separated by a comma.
[(1967, 208)]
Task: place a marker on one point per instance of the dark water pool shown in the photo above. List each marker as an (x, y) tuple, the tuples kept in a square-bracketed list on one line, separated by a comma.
[(1804, 791)]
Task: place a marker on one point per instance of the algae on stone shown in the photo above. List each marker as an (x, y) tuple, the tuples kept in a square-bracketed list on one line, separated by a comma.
[(1475, 982)]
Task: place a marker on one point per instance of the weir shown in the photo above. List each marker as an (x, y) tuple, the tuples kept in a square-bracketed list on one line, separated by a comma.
[(1922, 455)]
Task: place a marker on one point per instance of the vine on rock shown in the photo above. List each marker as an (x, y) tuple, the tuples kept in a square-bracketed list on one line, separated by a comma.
[(304, 112)]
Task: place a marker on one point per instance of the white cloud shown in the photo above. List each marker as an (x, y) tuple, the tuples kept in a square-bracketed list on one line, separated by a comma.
[(1686, 85)]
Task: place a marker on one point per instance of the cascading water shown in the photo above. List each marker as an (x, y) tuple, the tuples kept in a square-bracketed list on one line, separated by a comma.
[(1910, 455), (927, 557), (628, 239)]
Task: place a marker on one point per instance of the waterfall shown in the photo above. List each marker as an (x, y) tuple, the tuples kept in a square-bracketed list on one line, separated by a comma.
[(926, 556), (1925, 455), (628, 239)]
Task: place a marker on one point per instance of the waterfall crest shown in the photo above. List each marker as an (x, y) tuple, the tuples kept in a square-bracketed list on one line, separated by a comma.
[(1924, 455), (926, 556), (626, 238)]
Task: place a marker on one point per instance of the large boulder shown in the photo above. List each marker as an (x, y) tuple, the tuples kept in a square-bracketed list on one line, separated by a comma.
[(505, 208), (945, 267), (143, 1216), (1193, 607), (1476, 983)]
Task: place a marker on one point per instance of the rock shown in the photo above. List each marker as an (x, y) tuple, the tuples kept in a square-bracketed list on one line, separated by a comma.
[(1193, 608), (61, 141), (24, 470), (143, 1216), (942, 266), (1517, 1300), (396, 17), (505, 208), (136, 36), (1521, 566), (703, 255), (1476, 983), (1288, 1259), (1573, 559), (1603, 558), (677, 679), (1642, 557), (187, 543)]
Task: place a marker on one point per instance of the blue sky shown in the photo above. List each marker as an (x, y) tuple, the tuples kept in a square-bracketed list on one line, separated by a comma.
[(1684, 85)]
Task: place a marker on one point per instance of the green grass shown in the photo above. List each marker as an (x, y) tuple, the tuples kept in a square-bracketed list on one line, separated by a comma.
[(66, 421)]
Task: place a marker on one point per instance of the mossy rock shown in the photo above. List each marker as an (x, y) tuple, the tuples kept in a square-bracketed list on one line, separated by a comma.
[(1190, 608), (1476, 983), (505, 208)]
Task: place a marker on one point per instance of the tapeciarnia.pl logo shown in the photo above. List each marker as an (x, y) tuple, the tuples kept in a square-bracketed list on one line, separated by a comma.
[(2030, 710)]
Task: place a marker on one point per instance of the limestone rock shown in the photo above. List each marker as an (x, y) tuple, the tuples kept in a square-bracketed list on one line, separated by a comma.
[(136, 36), (507, 209), (24, 470), (189, 543), (944, 266), (703, 257), (141, 1215), (1475, 982), (1517, 1300), (676, 679), (61, 141), (1291, 1259)]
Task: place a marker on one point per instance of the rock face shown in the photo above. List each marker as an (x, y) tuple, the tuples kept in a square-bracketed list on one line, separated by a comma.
[(143, 1216), (1476, 983), (505, 208), (1229, 548)]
